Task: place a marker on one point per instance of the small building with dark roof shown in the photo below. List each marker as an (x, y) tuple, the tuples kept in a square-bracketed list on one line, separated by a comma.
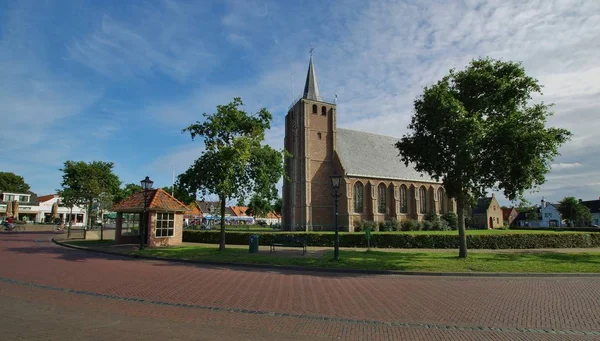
[(164, 217), (487, 213)]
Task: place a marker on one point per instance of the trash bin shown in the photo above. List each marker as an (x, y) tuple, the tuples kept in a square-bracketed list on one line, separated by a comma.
[(254, 243)]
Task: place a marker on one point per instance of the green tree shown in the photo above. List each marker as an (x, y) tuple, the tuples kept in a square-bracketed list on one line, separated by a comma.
[(126, 192), (241, 202), (576, 213), (475, 130), (11, 182), (180, 194), (90, 184), (234, 162), (258, 206), (277, 205)]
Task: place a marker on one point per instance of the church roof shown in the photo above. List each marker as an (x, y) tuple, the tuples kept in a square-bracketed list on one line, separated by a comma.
[(311, 89), (374, 156)]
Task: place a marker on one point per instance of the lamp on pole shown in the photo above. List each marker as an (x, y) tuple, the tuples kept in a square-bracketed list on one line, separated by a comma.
[(335, 183), (146, 186)]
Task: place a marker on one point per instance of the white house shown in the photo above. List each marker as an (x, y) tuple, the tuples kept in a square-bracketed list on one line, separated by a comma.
[(77, 215), (550, 215)]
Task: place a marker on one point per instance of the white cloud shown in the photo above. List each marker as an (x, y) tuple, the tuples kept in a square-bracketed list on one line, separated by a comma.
[(562, 165), (168, 40)]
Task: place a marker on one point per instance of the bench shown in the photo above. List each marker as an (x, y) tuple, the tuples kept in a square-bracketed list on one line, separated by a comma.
[(288, 241)]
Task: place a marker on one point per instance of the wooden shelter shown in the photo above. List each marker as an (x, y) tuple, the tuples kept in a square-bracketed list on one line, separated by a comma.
[(164, 215)]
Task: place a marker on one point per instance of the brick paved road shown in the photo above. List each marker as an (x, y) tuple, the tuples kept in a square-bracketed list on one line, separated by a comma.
[(48, 292)]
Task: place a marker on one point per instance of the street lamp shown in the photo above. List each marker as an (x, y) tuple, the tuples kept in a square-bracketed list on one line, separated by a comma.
[(146, 186), (335, 183)]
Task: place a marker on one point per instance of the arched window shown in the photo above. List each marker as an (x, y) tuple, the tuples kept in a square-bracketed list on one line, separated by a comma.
[(323, 111), (403, 199), (381, 198), (441, 200), (319, 136), (358, 197), (423, 197), (314, 109)]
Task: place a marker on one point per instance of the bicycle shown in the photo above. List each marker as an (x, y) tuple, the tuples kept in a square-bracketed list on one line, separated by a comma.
[(14, 227)]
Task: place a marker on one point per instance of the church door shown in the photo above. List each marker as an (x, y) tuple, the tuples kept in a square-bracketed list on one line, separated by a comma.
[(491, 223)]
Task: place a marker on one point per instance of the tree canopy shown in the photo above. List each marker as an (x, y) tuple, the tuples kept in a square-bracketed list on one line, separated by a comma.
[(180, 193), (475, 130), (575, 212), (258, 206), (234, 162), (11, 182), (93, 184)]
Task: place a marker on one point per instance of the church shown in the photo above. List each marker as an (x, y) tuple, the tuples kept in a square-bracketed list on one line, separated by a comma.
[(376, 185)]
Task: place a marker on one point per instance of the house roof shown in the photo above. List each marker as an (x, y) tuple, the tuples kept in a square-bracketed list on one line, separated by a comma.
[(45, 198), (203, 205), (507, 211), (482, 205), (239, 211), (158, 200), (273, 215), (374, 156), (593, 205)]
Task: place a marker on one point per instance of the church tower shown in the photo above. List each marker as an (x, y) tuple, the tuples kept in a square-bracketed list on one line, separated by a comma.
[(310, 136)]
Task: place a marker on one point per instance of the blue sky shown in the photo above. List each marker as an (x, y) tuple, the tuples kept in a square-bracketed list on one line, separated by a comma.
[(117, 80)]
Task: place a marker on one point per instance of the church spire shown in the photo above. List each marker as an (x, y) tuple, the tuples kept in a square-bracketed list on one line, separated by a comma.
[(311, 89)]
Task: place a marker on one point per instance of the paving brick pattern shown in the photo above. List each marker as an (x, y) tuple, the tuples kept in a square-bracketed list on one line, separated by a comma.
[(282, 304)]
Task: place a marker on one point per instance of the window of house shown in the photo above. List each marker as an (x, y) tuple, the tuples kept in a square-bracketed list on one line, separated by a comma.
[(323, 111), (319, 136), (423, 197), (165, 223), (381, 198), (403, 199), (441, 201), (130, 223), (314, 111), (9, 197), (358, 197), (23, 198)]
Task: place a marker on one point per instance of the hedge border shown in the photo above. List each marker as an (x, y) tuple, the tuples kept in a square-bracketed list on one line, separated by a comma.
[(412, 241)]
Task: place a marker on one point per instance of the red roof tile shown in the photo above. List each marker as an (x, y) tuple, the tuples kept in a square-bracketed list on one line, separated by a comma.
[(157, 200), (239, 211), (45, 198)]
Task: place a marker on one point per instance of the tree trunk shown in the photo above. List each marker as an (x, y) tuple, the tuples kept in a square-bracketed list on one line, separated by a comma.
[(70, 223), (462, 236), (101, 226), (222, 239)]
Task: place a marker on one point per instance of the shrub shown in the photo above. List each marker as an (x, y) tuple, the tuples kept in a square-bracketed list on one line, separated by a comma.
[(405, 240), (431, 216), (390, 225), (357, 224), (370, 224), (411, 225), (427, 225), (452, 219)]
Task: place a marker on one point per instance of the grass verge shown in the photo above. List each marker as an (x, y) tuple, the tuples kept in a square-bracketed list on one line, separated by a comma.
[(542, 262)]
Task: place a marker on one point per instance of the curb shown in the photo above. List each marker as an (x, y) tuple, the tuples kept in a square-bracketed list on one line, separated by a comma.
[(332, 271)]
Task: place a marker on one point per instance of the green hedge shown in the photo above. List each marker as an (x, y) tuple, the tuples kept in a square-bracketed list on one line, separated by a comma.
[(408, 241)]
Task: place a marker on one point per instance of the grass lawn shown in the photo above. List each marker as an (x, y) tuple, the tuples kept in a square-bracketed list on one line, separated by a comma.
[(410, 261)]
